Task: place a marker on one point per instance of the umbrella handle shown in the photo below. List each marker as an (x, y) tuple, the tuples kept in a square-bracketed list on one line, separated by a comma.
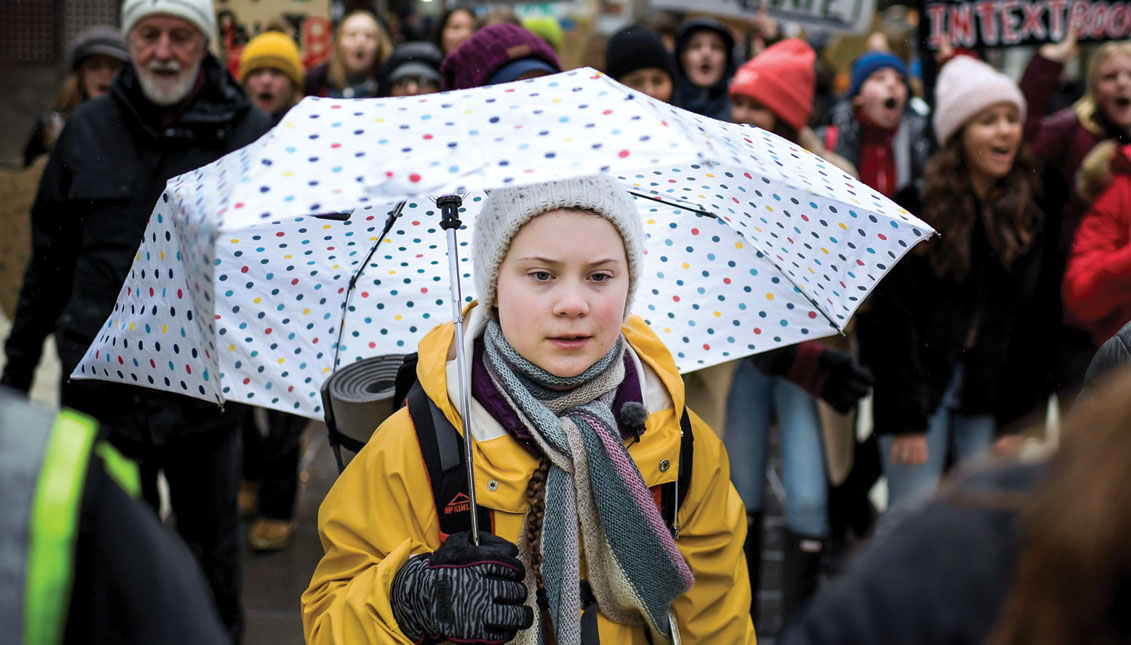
[(450, 222)]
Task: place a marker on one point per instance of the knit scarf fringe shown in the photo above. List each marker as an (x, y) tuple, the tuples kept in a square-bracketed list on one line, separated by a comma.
[(634, 567)]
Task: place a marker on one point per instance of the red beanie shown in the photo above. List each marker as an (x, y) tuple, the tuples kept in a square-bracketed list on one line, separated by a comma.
[(782, 79)]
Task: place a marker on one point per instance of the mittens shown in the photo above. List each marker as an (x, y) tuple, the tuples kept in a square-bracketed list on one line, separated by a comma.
[(463, 592), (846, 381), (822, 371)]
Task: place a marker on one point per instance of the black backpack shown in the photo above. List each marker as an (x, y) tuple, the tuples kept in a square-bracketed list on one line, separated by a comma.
[(442, 448)]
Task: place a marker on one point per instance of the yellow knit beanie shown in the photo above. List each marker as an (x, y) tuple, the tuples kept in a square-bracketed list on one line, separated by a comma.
[(272, 49)]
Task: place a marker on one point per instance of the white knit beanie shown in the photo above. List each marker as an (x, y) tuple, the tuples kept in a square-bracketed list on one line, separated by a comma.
[(966, 86), (199, 12), (509, 209)]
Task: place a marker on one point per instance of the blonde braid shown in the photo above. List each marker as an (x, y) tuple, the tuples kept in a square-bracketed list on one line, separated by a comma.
[(536, 499)]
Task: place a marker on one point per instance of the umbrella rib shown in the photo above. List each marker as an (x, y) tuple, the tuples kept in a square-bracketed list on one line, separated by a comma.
[(786, 275), (353, 280), (691, 207)]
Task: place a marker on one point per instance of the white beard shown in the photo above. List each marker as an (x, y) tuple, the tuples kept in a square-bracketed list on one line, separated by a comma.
[(164, 91)]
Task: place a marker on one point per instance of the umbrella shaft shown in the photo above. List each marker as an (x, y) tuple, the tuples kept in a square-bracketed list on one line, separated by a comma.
[(461, 368)]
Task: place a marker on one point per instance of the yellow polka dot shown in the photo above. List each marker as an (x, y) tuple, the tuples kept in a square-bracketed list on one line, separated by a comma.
[(568, 139), (325, 369), (131, 326), (556, 101), (325, 226), (282, 360), (718, 314), (379, 120), (667, 330), (288, 173), (162, 256), (397, 317), (769, 208), (824, 250), (686, 265), (769, 296), (289, 124), (287, 257), (257, 300), (842, 226), (231, 348), (164, 329), (137, 258), (235, 240), (738, 245), (392, 272), (651, 221), (306, 311), (710, 175)]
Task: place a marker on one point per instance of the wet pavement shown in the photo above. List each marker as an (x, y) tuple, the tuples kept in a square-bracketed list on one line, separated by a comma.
[(274, 581)]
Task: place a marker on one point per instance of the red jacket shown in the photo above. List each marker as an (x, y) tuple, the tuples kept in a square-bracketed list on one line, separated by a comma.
[(1097, 282)]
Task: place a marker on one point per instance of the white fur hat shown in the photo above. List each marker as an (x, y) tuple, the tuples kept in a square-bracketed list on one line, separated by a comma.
[(966, 86), (199, 12), (508, 209)]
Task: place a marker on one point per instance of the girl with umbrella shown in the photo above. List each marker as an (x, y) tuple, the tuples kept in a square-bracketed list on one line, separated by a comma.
[(576, 421), (939, 330)]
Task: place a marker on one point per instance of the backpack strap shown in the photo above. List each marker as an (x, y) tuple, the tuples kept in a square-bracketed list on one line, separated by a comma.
[(673, 493), (442, 448)]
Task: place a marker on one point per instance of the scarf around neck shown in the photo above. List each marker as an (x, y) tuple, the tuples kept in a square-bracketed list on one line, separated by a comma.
[(634, 567)]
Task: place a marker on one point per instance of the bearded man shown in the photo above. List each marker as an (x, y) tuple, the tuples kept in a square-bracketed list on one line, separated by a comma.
[(173, 109)]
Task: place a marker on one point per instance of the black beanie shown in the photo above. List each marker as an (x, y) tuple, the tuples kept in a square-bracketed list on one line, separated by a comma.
[(636, 47)]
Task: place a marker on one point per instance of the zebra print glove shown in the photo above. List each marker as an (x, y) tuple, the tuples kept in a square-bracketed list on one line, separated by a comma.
[(463, 592)]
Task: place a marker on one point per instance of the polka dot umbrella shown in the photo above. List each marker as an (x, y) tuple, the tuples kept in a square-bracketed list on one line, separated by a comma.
[(239, 289)]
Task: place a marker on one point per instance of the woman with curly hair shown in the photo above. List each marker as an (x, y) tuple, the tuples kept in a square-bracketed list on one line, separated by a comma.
[(937, 334)]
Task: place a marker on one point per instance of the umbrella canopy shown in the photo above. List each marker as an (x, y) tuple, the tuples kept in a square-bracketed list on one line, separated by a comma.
[(238, 293)]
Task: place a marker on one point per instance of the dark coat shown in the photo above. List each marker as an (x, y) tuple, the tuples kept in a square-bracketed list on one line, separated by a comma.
[(938, 576), (916, 330), (107, 171)]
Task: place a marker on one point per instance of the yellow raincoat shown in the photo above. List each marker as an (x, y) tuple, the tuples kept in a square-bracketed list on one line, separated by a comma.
[(380, 511)]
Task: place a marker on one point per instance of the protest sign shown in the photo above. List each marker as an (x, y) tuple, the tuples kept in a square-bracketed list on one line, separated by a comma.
[(307, 21), (852, 16), (17, 192), (1003, 23)]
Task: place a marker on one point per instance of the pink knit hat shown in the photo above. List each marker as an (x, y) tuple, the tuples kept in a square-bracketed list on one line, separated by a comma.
[(782, 79), (966, 86)]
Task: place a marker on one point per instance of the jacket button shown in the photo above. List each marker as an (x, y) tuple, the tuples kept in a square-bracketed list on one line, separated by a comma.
[(664, 465), (492, 485)]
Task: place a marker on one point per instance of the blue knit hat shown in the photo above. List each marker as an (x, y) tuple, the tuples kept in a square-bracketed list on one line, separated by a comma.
[(871, 62)]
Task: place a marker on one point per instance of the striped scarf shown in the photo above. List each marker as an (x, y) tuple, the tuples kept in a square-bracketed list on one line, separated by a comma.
[(634, 568)]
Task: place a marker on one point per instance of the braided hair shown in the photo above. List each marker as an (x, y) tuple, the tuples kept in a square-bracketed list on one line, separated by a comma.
[(536, 499)]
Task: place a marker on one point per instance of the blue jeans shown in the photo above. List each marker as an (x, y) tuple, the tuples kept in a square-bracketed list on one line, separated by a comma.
[(752, 400), (962, 436)]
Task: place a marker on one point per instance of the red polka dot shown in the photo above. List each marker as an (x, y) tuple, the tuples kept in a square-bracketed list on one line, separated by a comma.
[(748, 176), (622, 154), (294, 282), (315, 341), (414, 178), (427, 137), (695, 231), (757, 331), (423, 289), (675, 298), (860, 262), (882, 236), (151, 292), (607, 112), (152, 363), (726, 280), (706, 346), (180, 294), (290, 388), (372, 345), (244, 269), (120, 361), (279, 234), (246, 380), (364, 294), (239, 205), (335, 145), (267, 331), (188, 368), (812, 314)]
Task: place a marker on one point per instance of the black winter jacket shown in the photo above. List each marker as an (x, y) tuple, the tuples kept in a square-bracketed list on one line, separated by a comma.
[(916, 329), (104, 176)]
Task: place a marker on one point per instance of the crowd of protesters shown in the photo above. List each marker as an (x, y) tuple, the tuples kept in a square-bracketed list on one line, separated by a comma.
[(966, 338)]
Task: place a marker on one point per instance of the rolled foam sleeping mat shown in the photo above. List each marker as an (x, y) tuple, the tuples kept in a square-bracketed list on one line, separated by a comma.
[(359, 396)]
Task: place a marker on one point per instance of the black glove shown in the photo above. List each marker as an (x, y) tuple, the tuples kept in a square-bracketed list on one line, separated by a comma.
[(463, 592), (821, 371), (845, 382)]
